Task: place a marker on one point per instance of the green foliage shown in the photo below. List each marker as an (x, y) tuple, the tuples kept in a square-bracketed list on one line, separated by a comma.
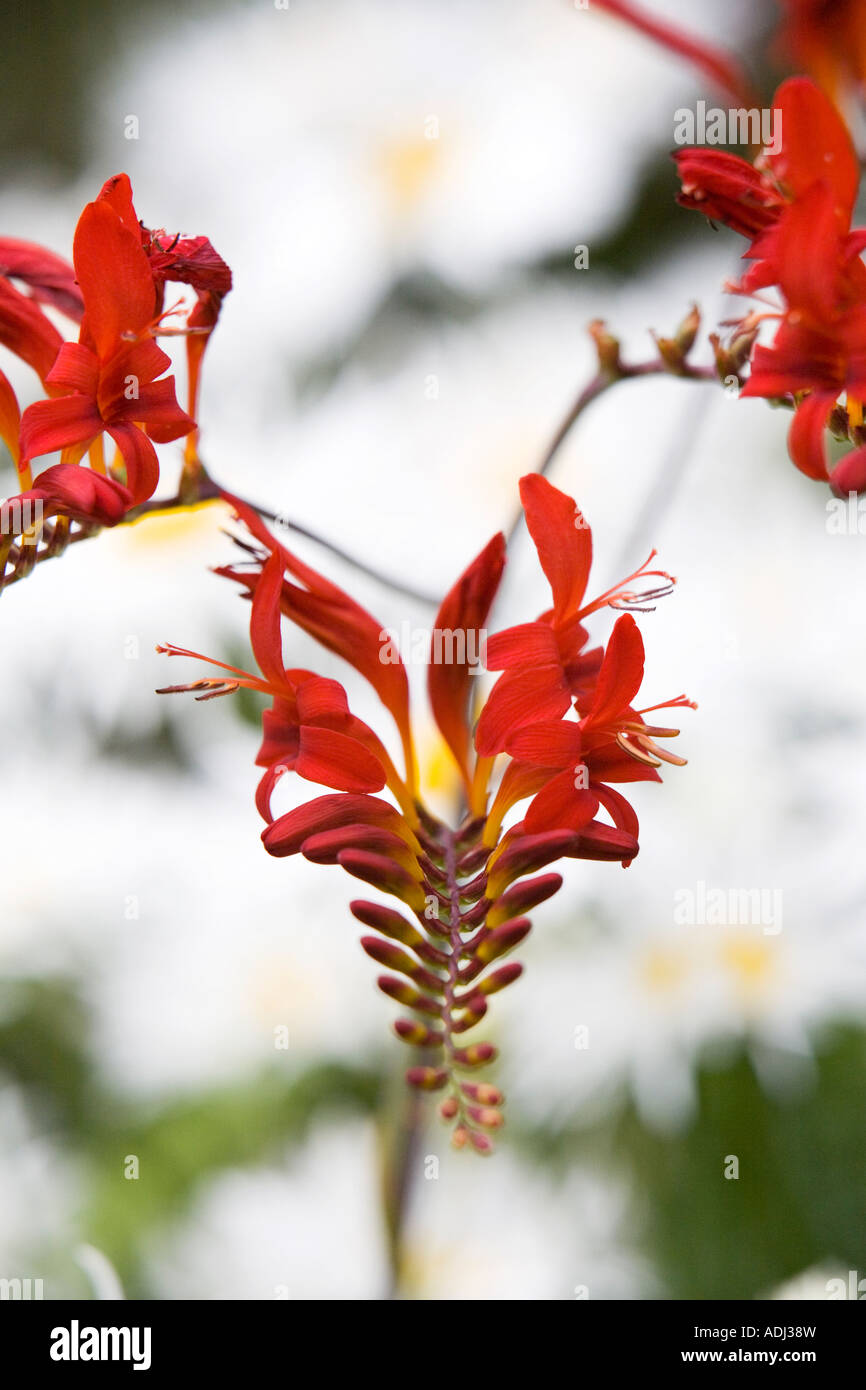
[(178, 1144), (795, 1203)]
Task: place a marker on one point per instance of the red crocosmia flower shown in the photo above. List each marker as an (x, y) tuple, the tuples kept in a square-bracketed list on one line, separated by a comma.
[(815, 148), (464, 891), (566, 765), (820, 346), (796, 206), (546, 663), (183, 260), (329, 615), (111, 374)]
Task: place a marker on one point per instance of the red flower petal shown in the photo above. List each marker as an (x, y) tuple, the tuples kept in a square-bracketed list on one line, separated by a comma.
[(76, 367), (326, 845), (726, 188), (849, 475), (809, 253), (157, 409), (550, 743), (337, 761), (560, 805), (10, 417), (116, 192), (115, 278), (26, 331), (321, 698), (265, 622), (50, 425), (526, 644), (610, 763), (621, 672), (563, 542), (139, 455), (621, 812), (50, 278), (191, 261), (605, 843), (520, 697), (816, 145), (806, 443), (286, 835), (801, 358), (457, 636)]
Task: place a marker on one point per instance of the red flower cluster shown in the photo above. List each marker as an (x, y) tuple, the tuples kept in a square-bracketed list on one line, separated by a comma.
[(562, 716), (111, 381), (796, 207)]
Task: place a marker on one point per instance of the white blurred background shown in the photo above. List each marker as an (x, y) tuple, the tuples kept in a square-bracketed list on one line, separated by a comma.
[(399, 191)]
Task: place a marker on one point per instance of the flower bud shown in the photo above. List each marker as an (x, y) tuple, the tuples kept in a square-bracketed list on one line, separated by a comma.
[(486, 1116), (476, 1055), (607, 348), (412, 1031), (387, 954), (504, 976), (482, 1092), (503, 939), (427, 1078), (404, 993)]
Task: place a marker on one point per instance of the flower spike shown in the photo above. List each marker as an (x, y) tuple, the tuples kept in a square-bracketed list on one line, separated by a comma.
[(564, 718)]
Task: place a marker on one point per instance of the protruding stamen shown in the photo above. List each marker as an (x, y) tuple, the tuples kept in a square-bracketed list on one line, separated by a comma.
[(639, 599)]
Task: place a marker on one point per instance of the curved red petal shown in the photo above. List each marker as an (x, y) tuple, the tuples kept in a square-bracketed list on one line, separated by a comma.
[(50, 278), (561, 805), (338, 761), (75, 367), (139, 455), (562, 539), (286, 834), (26, 331), (525, 644), (849, 475), (816, 144), (550, 743), (457, 646), (50, 425), (68, 490), (115, 279), (520, 697), (806, 443), (621, 672)]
